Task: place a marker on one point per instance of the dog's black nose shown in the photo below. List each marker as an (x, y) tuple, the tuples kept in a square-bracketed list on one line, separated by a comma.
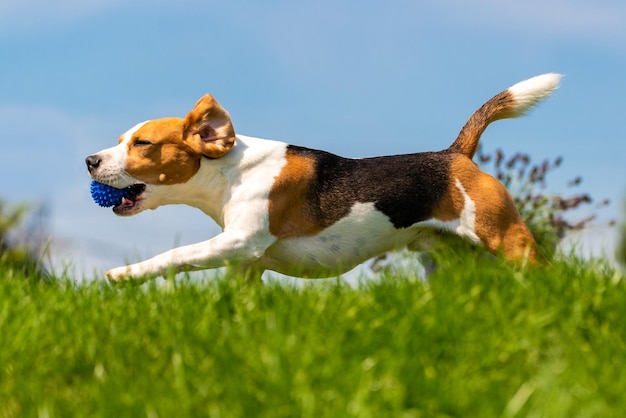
[(93, 162)]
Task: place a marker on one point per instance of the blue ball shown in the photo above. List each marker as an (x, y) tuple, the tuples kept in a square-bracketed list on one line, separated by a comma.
[(106, 196)]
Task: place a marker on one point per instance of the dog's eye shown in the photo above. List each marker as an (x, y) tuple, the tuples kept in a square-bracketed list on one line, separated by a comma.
[(141, 143)]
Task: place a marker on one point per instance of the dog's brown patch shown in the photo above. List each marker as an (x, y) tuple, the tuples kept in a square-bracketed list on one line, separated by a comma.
[(290, 212), (450, 205), (158, 154)]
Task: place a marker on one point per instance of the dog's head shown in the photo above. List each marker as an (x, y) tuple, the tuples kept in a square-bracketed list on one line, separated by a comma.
[(162, 152)]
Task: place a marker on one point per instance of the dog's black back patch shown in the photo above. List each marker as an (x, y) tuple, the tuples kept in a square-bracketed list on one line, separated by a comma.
[(406, 188)]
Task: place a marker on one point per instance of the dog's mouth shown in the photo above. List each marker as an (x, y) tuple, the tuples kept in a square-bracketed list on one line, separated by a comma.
[(131, 200)]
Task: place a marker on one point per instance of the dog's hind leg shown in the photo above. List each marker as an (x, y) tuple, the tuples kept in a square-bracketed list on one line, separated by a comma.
[(499, 225), (485, 213)]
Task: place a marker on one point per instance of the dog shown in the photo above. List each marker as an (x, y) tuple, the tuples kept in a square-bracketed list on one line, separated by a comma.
[(309, 213)]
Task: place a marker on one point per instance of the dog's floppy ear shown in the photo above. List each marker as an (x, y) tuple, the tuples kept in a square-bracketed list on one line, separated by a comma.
[(208, 128)]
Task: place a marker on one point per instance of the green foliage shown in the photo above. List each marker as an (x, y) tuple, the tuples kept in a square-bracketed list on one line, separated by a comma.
[(484, 340), (546, 215), (10, 218), (16, 256), (621, 249)]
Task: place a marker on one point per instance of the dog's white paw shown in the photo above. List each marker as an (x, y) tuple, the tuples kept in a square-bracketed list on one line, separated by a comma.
[(118, 274)]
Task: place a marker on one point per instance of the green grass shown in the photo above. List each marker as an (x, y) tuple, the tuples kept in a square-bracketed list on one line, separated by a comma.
[(480, 338)]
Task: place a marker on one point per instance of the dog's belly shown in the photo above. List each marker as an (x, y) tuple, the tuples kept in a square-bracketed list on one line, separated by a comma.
[(363, 234)]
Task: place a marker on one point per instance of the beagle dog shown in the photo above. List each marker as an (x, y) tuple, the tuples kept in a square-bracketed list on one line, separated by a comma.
[(305, 212)]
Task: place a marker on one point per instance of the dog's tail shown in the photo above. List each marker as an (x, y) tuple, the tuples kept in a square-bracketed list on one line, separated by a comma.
[(511, 103)]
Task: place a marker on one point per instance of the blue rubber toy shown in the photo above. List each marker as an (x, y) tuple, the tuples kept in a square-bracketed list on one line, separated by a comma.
[(107, 196)]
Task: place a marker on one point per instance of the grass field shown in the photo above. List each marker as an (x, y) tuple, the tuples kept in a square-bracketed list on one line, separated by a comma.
[(479, 339)]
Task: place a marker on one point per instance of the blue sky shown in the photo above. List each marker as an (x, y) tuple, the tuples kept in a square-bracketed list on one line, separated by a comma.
[(357, 78)]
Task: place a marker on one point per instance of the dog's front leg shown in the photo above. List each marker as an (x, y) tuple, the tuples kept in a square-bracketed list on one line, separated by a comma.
[(225, 249)]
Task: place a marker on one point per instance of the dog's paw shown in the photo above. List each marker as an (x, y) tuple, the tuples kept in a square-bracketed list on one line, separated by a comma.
[(129, 274), (118, 274)]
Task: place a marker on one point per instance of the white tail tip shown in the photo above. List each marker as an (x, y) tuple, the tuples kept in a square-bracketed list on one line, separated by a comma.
[(529, 92)]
